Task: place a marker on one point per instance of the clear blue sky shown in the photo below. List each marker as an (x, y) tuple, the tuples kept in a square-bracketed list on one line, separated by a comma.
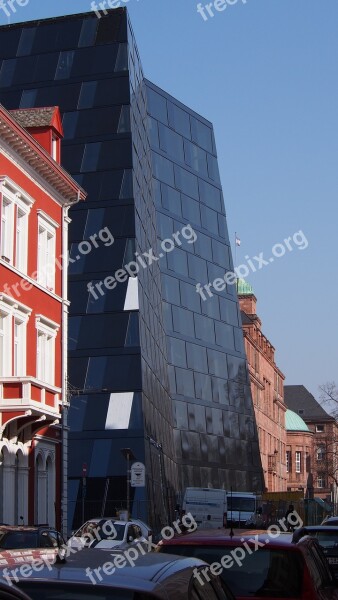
[(266, 74)]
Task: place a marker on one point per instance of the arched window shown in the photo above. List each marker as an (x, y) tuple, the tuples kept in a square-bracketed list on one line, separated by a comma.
[(50, 495), (21, 490), (40, 492), (1, 487)]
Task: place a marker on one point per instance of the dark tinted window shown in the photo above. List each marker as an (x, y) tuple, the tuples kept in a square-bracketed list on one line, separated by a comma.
[(65, 64), (157, 106), (246, 504), (28, 98), (87, 94), (67, 591), (88, 32), (26, 41), (179, 120), (7, 72), (22, 539), (265, 572)]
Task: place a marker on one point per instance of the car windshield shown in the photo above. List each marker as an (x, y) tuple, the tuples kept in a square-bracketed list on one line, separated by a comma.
[(327, 539), (19, 540), (274, 573), (102, 530), (241, 504), (110, 534)]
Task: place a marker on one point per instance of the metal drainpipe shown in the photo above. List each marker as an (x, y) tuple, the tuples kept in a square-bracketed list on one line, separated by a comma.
[(65, 399)]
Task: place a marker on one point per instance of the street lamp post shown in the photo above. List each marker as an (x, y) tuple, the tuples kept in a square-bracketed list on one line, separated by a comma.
[(128, 455)]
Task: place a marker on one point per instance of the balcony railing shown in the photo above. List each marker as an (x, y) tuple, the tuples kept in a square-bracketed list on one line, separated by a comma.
[(28, 393)]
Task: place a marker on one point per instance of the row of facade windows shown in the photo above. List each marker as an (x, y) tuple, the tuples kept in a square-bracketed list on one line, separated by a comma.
[(299, 468), (14, 239), (298, 461), (13, 343)]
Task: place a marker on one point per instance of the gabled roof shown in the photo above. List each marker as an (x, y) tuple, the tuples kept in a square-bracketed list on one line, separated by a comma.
[(19, 140), (34, 118), (297, 398)]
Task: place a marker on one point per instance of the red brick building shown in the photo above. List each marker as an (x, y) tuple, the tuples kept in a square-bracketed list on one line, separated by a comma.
[(35, 194), (299, 454), (267, 392), (323, 466)]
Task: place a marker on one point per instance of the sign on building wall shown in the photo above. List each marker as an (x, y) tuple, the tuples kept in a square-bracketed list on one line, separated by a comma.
[(138, 475)]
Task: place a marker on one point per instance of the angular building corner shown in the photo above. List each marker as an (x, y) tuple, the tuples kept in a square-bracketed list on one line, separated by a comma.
[(149, 166)]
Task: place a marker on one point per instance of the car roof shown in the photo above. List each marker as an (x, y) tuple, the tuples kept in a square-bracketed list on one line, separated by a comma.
[(319, 528), (112, 519), (330, 519), (151, 567), (218, 537), (30, 528), (11, 591)]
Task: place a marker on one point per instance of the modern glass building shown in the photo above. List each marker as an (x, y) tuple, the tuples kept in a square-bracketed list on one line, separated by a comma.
[(215, 432), (148, 177)]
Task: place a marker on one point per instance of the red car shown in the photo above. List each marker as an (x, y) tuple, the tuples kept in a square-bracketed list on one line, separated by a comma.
[(260, 565)]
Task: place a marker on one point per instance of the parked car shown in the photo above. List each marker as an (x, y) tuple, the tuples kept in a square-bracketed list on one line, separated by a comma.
[(332, 521), (109, 533), (11, 592), (25, 544), (327, 538), (259, 565), (87, 575)]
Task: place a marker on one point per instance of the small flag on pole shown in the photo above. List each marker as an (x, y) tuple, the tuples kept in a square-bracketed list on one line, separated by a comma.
[(238, 241)]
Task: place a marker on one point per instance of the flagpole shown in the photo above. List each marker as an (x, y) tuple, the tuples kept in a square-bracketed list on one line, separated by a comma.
[(235, 249), (237, 243)]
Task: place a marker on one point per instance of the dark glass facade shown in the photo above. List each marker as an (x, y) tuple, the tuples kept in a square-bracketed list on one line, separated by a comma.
[(215, 432), (147, 176)]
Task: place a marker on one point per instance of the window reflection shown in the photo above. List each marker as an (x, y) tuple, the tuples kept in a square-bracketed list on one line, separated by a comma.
[(91, 157), (87, 94), (65, 64)]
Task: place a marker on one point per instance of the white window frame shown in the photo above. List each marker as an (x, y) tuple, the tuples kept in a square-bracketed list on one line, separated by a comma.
[(46, 267), (14, 312), (19, 346), (320, 428), (54, 147), (7, 229), (298, 461), (321, 481), (45, 349), (17, 202), (6, 346), (321, 453), (21, 239)]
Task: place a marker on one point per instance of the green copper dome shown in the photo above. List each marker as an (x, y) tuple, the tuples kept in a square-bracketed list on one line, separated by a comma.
[(243, 287), (294, 422)]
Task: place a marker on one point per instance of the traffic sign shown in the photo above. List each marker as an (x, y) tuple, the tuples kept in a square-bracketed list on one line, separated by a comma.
[(137, 475)]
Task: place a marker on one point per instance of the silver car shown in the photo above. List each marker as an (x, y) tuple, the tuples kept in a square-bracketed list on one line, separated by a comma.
[(100, 575)]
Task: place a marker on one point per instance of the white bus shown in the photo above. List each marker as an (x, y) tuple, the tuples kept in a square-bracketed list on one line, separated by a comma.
[(241, 505), (208, 506)]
